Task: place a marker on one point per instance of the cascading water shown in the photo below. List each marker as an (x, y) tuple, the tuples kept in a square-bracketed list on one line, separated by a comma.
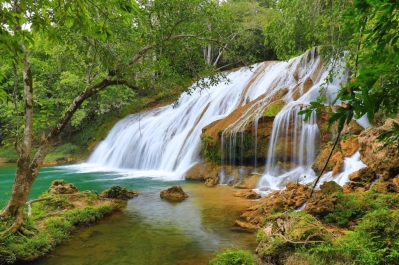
[(165, 142)]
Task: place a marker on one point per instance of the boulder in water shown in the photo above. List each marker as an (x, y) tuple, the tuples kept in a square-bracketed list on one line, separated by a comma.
[(118, 192), (174, 193)]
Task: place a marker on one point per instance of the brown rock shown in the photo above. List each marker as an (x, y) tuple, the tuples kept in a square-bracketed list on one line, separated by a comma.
[(61, 187), (384, 162), (337, 159), (205, 171), (249, 182), (174, 193), (210, 182), (196, 172), (247, 193), (247, 225), (330, 187), (396, 181), (320, 207), (365, 174), (335, 164), (349, 146)]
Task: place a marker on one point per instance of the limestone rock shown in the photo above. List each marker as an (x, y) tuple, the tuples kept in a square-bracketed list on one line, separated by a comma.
[(320, 207), (174, 193), (249, 182), (204, 171), (323, 201), (384, 162), (330, 187), (196, 172), (294, 196), (61, 187), (247, 193), (118, 192), (335, 164), (349, 146)]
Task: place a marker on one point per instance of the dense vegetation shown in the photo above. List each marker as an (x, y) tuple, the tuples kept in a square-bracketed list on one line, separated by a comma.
[(92, 62)]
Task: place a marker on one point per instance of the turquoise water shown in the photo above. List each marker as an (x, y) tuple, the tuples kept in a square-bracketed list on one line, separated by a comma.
[(149, 230)]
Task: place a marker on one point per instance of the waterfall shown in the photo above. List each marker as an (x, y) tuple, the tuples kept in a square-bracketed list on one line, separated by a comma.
[(165, 142)]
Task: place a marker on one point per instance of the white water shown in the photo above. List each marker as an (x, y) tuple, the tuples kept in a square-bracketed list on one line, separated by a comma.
[(165, 142)]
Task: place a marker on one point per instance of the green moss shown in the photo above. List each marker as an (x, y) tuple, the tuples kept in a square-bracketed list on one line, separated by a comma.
[(56, 229), (273, 109), (234, 256)]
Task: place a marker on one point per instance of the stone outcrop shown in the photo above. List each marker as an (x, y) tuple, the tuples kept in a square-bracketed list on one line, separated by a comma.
[(335, 164), (238, 177), (248, 194), (61, 187), (204, 172), (294, 196), (349, 146), (323, 201), (174, 193), (384, 162), (249, 182), (118, 192)]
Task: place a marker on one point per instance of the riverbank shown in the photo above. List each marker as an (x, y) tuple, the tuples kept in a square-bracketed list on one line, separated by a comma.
[(53, 216)]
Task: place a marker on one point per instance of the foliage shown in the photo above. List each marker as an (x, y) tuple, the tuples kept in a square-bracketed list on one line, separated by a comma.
[(372, 57), (248, 45), (56, 229), (234, 256), (301, 25), (351, 207), (373, 241)]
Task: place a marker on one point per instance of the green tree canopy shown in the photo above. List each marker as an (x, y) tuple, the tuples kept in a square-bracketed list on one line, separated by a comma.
[(59, 55)]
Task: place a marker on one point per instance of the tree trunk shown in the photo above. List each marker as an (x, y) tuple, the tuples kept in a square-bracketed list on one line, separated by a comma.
[(23, 177)]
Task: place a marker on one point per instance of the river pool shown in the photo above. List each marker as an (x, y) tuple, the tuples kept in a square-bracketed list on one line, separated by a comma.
[(149, 230)]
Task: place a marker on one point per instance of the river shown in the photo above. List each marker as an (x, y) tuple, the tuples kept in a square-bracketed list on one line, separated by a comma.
[(149, 230)]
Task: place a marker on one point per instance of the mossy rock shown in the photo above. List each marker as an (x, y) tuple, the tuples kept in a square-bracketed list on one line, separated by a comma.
[(283, 233), (273, 109), (118, 192), (60, 186)]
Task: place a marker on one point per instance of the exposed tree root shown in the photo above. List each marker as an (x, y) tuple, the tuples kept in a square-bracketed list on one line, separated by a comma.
[(14, 228), (29, 203)]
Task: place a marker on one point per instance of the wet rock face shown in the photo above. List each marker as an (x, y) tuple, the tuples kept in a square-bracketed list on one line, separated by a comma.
[(61, 187), (384, 162), (118, 192), (204, 172), (174, 193)]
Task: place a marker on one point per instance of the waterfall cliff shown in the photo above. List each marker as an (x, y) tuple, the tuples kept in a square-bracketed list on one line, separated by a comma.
[(165, 142)]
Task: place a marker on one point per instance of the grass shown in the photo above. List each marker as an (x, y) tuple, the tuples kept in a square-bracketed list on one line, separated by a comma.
[(51, 222)]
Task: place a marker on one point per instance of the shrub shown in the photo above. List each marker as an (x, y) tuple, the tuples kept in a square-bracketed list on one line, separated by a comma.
[(375, 240), (233, 256)]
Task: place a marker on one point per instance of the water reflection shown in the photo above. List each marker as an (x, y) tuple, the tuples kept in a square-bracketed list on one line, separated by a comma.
[(154, 231)]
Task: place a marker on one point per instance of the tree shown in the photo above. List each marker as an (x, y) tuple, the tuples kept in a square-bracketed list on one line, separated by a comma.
[(249, 39), (105, 45), (372, 56), (302, 24)]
